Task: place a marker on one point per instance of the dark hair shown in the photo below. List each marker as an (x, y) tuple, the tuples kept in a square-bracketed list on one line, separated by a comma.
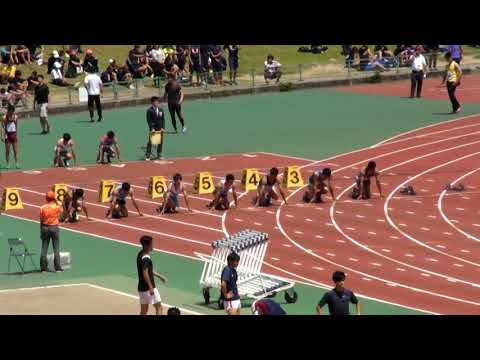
[(10, 108), (34, 72), (78, 193), (154, 98), (146, 240), (67, 136), (126, 186), (448, 55), (173, 311), (338, 276), (327, 172), (273, 171), (177, 176), (41, 76), (233, 256), (270, 56), (230, 177), (110, 134), (18, 73), (371, 165)]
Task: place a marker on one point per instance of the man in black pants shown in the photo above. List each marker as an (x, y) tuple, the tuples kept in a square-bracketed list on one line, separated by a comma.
[(93, 84), (174, 97), (156, 122), (339, 298), (453, 75), (419, 71)]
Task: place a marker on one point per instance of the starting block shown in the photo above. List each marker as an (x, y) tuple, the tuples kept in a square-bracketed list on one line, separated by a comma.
[(292, 177), (250, 179), (156, 187), (60, 190), (106, 189), (203, 183), (11, 199)]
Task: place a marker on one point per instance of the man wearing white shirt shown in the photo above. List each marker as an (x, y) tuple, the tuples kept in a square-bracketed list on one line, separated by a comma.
[(94, 87), (419, 71), (272, 69)]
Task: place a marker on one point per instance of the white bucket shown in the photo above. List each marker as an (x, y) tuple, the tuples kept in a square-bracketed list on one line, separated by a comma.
[(65, 261)]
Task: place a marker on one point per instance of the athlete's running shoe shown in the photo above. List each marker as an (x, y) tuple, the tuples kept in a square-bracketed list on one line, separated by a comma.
[(184, 130)]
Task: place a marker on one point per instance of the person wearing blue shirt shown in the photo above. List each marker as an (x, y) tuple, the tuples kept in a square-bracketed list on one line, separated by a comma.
[(229, 291)]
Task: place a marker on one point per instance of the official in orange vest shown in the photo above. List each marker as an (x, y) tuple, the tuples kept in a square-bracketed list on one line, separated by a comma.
[(49, 220)]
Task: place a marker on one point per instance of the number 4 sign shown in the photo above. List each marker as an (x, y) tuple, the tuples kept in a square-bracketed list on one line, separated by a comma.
[(250, 179)]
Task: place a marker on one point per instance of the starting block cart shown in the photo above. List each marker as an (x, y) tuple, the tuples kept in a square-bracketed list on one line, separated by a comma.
[(251, 246)]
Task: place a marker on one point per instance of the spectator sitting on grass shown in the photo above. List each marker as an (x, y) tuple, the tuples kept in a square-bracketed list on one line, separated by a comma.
[(124, 76), (51, 60), (4, 55), (382, 51), (57, 75), (108, 76), (365, 55), (90, 61), (36, 53), (20, 83), (23, 54), (137, 63), (32, 81), (170, 69), (74, 67), (272, 69), (76, 48), (157, 61), (5, 99), (13, 55)]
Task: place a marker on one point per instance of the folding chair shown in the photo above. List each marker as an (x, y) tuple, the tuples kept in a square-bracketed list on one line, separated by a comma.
[(19, 249)]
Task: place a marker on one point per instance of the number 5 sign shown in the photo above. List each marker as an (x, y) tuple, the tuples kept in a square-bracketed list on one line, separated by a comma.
[(203, 183), (292, 178), (11, 199)]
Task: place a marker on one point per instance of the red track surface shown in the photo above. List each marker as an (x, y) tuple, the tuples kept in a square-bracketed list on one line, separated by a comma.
[(421, 252), (467, 93)]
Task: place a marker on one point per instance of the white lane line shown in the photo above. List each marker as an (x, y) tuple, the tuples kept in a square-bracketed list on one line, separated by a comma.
[(290, 216), (319, 236), (394, 237), (432, 216), (360, 216), (239, 220), (386, 250), (410, 255), (366, 279), (452, 280), (402, 224), (375, 264), (418, 201), (287, 245), (410, 212), (400, 269), (391, 284), (447, 233), (368, 205), (298, 232), (465, 198), (145, 215), (372, 233), (424, 229), (454, 221), (257, 223), (274, 258), (477, 225), (339, 212), (458, 265), (309, 220), (318, 268), (349, 228), (390, 209), (431, 259), (341, 241), (270, 212), (441, 246), (318, 208), (353, 259), (460, 209), (465, 251), (331, 254), (328, 224), (431, 180), (297, 263), (381, 220)]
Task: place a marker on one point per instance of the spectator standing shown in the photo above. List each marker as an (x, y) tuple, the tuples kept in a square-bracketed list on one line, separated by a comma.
[(272, 69), (232, 62), (94, 87), (174, 96), (228, 290), (457, 53), (365, 54), (181, 55), (419, 71), (42, 96), (155, 122), (195, 63), (8, 133), (147, 291), (453, 75), (432, 51), (49, 219), (218, 64), (339, 298), (157, 61)]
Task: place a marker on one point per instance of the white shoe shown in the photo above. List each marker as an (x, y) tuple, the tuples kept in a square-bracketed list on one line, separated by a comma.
[(132, 87), (184, 130), (147, 158)]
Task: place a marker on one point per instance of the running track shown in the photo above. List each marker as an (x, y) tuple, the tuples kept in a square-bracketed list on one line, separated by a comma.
[(421, 252)]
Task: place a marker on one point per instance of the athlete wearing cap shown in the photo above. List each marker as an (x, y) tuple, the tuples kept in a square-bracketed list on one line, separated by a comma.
[(49, 220)]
